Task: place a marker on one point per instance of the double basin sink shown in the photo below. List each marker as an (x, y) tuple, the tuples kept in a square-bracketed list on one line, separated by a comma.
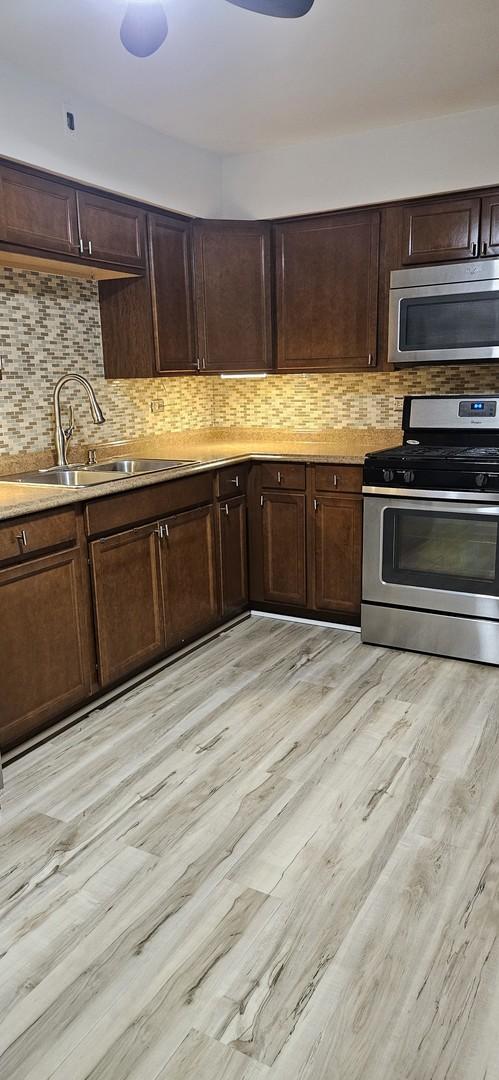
[(77, 476)]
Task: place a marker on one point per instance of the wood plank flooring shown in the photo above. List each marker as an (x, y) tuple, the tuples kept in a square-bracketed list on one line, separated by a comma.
[(277, 858)]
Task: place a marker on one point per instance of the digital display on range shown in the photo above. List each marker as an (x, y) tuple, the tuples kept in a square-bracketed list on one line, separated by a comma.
[(477, 408)]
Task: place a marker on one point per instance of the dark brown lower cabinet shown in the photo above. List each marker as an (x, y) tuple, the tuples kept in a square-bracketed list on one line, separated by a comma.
[(283, 527), (128, 600), (305, 548), (233, 551), (47, 648), (189, 571), (337, 546)]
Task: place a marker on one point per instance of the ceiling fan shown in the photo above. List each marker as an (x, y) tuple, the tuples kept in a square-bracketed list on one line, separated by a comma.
[(145, 26)]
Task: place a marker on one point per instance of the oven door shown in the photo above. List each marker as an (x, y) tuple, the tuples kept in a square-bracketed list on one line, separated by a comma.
[(432, 555), (440, 323)]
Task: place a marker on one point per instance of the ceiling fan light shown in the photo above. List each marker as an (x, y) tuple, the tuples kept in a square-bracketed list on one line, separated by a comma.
[(280, 9), (144, 27)]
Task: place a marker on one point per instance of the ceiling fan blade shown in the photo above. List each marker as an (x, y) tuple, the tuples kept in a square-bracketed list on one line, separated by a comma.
[(144, 27), (282, 9)]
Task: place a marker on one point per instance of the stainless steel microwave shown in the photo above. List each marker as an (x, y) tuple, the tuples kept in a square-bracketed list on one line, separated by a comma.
[(442, 314)]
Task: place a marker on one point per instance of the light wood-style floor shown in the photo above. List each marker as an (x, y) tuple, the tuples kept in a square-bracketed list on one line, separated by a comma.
[(278, 858)]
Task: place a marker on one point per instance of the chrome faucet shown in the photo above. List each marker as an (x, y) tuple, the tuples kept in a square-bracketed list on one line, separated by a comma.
[(63, 434)]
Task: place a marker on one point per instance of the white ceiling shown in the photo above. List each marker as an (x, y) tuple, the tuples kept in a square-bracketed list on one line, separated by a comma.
[(232, 81)]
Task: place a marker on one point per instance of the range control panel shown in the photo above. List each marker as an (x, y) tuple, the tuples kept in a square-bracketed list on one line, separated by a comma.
[(483, 407), (452, 412)]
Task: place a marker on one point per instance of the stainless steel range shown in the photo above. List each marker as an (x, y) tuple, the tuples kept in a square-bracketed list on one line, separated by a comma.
[(431, 532)]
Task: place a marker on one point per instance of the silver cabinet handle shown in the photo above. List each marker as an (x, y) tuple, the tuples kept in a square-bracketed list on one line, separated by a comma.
[(473, 248), (226, 509), (81, 246), (262, 500), (484, 247), (235, 481), (335, 480), (160, 531), (22, 538), (89, 247), (316, 504), (279, 477), (371, 360)]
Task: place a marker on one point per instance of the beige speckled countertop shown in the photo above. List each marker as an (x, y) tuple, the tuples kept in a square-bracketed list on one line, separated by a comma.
[(205, 449)]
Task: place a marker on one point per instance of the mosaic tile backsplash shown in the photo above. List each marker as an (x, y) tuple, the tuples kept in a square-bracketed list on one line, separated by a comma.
[(50, 325)]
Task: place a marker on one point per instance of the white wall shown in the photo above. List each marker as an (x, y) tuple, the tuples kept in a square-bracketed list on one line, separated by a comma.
[(113, 152), (443, 154), (108, 150)]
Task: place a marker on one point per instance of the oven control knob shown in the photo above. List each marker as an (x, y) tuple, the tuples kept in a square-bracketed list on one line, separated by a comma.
[(481, 479), (388, 475), (409, 476)]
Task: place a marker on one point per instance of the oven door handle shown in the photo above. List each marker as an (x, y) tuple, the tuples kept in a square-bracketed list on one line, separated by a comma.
[(433, 495)]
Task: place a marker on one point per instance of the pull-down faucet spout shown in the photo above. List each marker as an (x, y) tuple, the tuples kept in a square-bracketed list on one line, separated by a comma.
[(62, 434)]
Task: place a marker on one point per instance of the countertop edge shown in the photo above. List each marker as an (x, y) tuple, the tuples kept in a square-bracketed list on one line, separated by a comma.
[(42, 499)]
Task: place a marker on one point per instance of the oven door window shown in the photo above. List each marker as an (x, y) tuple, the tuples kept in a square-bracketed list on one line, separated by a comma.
[(462, 321), (436, 550)]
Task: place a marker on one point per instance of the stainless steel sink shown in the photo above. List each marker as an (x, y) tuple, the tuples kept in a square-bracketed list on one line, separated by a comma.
[(134, 466), (89, 475)]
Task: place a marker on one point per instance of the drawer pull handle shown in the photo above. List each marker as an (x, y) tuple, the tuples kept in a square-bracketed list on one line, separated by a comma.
[(316, 504), (279, 477), (335, 480), (22, 538), (262, 500), (235, 480), (226, 508)]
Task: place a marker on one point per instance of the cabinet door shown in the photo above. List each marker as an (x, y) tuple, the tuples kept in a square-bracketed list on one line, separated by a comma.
[(189, 575), (489, 244), (128, 601), (170, 258), (37, 213), (233, 298), (337, 528), (327, 292), (232, 533), (47, 650), (284, 548), (440, 231), (112, 231)]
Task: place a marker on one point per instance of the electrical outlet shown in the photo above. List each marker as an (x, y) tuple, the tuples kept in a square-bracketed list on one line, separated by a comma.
[(157, 405)]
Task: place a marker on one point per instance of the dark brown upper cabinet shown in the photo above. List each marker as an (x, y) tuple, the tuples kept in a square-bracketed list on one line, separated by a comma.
[(489, 233), (37, 213), (440, 231), (233, 295), (327, 292), (170, 257), (112, 231)]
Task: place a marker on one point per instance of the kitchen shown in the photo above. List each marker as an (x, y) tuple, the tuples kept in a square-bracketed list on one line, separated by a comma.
[(241, 420)]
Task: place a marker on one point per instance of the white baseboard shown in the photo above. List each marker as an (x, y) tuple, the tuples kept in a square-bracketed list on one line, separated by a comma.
[(311, 622)]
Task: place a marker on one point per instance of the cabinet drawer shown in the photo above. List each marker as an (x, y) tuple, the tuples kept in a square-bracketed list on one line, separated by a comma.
[(148, 504), (29, 535), (232, 481), (290, 475), (338, 478)]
